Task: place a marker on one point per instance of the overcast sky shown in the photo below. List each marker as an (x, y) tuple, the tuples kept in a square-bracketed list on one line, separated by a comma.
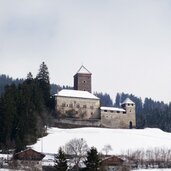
[(126, 44)]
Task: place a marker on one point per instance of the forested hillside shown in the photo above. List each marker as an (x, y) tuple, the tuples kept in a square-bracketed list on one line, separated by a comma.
[(26, 106), (6, 80), (24, 110), (149, 113)]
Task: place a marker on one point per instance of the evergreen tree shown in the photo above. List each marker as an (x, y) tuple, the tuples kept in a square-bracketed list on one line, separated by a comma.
[(29, 76), (60, 161), (6, 80), (105, 99), (93, 160), (44, 83)]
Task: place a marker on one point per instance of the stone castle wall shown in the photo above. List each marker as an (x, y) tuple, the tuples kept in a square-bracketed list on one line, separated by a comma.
[(115, 119), (80, 108)]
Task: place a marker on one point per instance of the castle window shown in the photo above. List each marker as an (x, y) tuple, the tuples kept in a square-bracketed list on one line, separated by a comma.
[(63, 104), (78, 106), (111, 111), (124, 112), (118, 111), (84, 106), (105, 110), (71, 105), (132, 104), (84, 81), (91, 107)]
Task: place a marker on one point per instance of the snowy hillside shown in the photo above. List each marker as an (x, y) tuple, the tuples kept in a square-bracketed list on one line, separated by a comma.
[(120, 139)]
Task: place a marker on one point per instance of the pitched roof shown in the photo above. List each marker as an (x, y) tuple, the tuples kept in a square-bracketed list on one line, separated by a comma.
[(112, 109), (76, 93), (127, 101), (83, 70), (112, 161), (29, 154)]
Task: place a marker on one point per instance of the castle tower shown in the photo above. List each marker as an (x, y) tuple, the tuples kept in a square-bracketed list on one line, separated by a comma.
[(129, 107), (82, 80)]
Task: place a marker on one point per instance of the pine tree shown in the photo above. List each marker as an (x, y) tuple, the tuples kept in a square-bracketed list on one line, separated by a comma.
[(93, 160), (60, 161), (44, 83)]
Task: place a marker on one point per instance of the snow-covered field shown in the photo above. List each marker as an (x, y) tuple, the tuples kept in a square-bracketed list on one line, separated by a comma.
[(120, 140)]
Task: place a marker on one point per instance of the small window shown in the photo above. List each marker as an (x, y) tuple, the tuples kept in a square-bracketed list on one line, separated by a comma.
[(111, 111), (78, 106), (105, 110), (117, 111), (91, 107), (124, 112), (84, 106), (63, 104), (71, 105)]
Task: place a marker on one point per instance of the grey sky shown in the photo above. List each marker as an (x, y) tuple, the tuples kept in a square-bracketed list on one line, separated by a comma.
[(126, 44)]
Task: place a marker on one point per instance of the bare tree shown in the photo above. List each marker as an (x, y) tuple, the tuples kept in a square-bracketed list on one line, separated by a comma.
[(77, 149), (107, 148)]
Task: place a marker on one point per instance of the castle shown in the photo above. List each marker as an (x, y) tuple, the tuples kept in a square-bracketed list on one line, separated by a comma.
[(81, 104)]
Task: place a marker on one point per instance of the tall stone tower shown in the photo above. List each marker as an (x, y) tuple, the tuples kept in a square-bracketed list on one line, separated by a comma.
[(129, 107), (82, 80)]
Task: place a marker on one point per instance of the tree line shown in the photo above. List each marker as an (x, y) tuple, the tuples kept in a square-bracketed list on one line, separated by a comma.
[(76, 154), (24, 109), (25, 105), (149, 113)]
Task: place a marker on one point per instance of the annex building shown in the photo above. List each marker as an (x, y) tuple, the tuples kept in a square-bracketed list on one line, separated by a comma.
[(81, 104)]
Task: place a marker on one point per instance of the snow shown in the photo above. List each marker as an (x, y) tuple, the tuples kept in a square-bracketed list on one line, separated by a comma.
[(5, 156), (128, 101), (112, 109), (120, 140), (76, 93)]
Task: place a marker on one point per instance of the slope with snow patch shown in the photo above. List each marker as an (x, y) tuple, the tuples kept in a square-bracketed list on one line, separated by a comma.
[(120, 140)]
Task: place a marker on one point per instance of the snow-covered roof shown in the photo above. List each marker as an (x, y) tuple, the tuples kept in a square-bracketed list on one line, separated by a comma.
[(128, 101), (112, 109), (76, 93), (83, 70)]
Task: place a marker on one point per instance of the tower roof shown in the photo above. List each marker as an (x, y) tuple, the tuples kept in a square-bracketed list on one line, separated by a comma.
[(83, 70), (128, 101)]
